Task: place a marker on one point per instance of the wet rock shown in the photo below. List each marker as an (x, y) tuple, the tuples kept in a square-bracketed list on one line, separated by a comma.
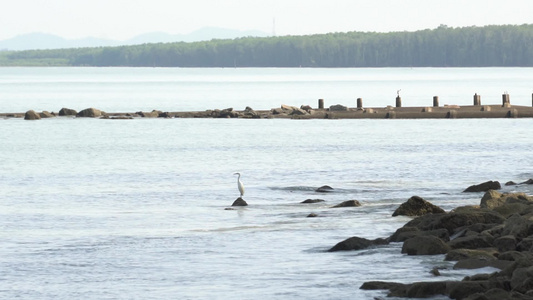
[(312, 215), (426, 289), (67, 112), (31, 115), (357, 243), (307, 201), (458, 219), (483, 187), (475, 263), (89, 113), (462, 254), (324, 189), (405, 233), (471, 242), (239, 202), (508, 183), (425, 245), (416, 206), (349, 203), (529, 181)]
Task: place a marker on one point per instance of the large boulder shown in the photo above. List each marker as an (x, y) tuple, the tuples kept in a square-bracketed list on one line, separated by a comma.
[(250, 113), (89, 113), (416, 206), (461, 254), (471, 242), (357, 243), (31, 115), (457, 219), (425, 245), (483, 187), (67, 112)]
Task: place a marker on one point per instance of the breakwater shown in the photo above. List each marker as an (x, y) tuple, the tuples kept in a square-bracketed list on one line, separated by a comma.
[(337, 111)]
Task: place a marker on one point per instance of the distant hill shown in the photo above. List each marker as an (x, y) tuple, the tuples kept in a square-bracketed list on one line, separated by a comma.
[(41, 41)]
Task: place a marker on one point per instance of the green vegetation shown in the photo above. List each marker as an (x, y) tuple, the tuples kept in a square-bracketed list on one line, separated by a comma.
[(506, 45)]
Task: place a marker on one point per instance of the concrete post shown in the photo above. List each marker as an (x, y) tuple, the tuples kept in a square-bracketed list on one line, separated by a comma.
[(398, 101), (359, 102), (477, 100), (506, 100), (320, 103), (435, 101)]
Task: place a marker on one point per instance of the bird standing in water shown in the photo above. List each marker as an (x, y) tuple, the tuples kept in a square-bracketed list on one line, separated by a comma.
[(239, 184)]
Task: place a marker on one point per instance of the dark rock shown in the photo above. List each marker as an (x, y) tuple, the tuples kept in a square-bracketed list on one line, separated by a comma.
[(405, 233), (471, 242), (435, 271), (505, 243), (416, 206), (45, 114), (463, 289), (513, 255), (89, 113), (461, 254), (453, 220), (474, 263), (165, 115), (396, 289), (324, 189), (67, 112), (338, 107), (508, 183), (425, 245), (357, 243), (518, 226), (522, 280), (529, 181), (307, 201), (31, 115), (426, 289), (483, 187), (239, 202), (312, 215), (349, 203), (525, 245)]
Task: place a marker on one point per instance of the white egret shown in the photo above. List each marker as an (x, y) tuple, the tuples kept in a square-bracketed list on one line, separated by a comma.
[(239, 184)]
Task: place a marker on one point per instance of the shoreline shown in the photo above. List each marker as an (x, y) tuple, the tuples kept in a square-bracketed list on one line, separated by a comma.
[(305, 112)]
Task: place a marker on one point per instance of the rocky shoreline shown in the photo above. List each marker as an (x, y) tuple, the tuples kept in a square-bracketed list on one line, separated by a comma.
[(303, 112), (496, 233)]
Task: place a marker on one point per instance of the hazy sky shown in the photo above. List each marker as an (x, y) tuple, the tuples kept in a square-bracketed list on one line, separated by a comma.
[(123, 19)]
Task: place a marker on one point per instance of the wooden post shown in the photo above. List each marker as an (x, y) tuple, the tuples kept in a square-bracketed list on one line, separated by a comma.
[(435, 101), (506, 100), (477, 100), (359, 102), (320, 103), (398, 101)]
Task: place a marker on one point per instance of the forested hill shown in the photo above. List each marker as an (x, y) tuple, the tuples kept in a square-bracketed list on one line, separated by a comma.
[(505, 45)]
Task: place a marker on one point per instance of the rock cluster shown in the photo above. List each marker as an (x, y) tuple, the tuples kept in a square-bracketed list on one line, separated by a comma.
[(498, 233)]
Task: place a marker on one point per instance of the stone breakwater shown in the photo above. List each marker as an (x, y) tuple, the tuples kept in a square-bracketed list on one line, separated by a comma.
[(497, 233), (303, 112)]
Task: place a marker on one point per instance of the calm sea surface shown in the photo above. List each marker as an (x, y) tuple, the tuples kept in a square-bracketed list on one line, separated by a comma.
[(135, 209)]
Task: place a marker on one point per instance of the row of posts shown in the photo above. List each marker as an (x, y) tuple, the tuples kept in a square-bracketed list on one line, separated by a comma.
[(477, 101)]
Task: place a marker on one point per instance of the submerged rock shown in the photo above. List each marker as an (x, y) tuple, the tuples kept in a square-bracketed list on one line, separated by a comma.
[(324, 189), (357, 243), (349, 203), (307, 201)]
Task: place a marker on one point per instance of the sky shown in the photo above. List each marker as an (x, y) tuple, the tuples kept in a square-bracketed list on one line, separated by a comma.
[(124, 19)]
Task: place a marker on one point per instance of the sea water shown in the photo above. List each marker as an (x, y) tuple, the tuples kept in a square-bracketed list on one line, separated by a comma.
[(136, 209)]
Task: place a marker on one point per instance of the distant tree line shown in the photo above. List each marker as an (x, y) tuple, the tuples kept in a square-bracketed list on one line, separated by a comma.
[(504, 45)]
